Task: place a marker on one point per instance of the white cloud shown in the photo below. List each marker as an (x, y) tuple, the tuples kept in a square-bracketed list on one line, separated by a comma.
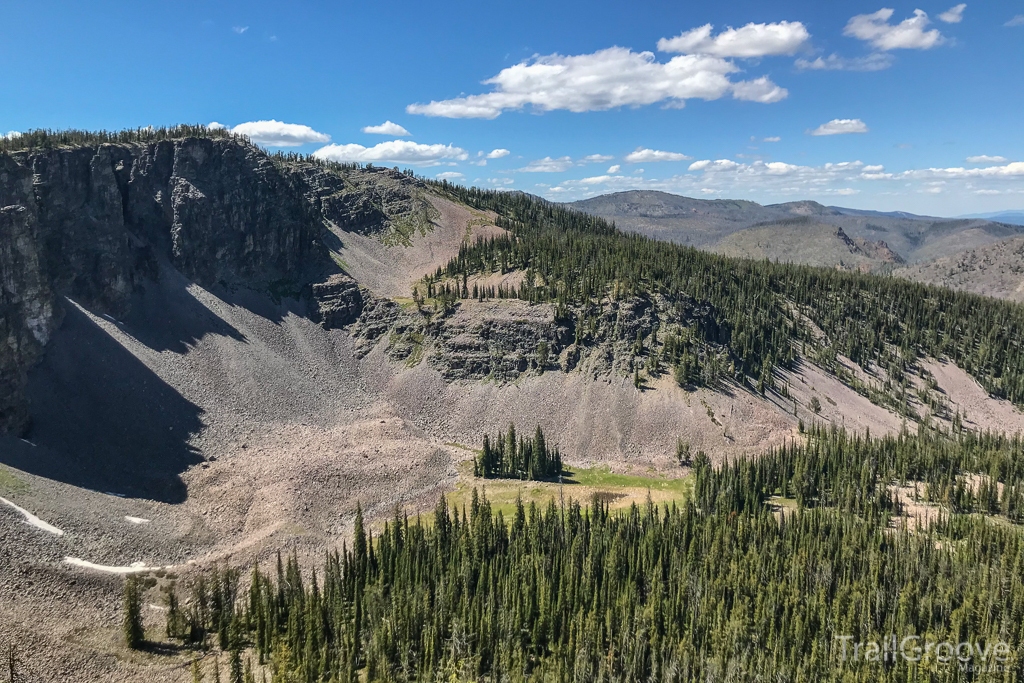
[(641, 156), (450, 175), (954, 15), (498, 153), (606, 79), (277, 134), (774, 138), (1016, 21), (874, 169), (1012, 170), (393, 151), (709, 166), (10, 135), (387, 128), (761, 90), (596, 159), (752, 40), (240, 29), (614, 169), (598, 179), (840, 127), (548, 165), (213, 125), (986, 159), (500, 181), (876, 61), (908, 34)]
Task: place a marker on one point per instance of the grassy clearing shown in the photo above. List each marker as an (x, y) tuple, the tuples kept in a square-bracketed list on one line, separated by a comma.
[(580, 484), (9, 483)]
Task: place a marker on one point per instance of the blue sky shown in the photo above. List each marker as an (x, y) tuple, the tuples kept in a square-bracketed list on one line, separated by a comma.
[(916, 106)]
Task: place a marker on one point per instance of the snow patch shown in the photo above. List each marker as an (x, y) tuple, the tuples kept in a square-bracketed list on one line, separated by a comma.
[(133, 568), (32, 520)]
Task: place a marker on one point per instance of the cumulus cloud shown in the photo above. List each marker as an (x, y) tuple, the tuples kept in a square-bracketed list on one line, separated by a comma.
[(277, 134), (548, 165), (641, 156), (954, 15), (598, 179), (752, 40), (393, 151), (709, 166), (986, 159), (908, 34), (614, 169), (387, 128), (606, 79), (450, 175), (1016, 21), (761, 90), (213, 125), (596, 158), (840, 127), (498, 153), (774, 138), (10, 135), (876, 61)]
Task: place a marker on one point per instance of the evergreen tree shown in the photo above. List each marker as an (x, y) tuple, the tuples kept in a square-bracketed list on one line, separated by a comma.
[(131, 623)]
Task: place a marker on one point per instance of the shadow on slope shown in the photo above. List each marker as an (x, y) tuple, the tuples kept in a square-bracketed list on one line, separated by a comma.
[(102, 420), (166, 316)]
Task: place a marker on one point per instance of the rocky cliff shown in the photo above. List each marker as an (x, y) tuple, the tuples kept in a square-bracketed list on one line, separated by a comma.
[(92, 222)]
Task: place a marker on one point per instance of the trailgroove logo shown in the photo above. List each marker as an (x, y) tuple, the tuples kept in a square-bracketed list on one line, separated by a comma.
[(969, 656)]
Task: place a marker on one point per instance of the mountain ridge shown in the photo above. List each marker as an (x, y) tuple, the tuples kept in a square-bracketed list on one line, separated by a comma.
[(708, 224)]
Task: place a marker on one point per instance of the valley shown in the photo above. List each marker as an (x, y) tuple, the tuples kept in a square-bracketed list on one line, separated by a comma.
[(211, 355)]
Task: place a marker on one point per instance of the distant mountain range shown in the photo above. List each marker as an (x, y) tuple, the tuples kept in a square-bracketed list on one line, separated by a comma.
[(1014, 217), (798, 232)]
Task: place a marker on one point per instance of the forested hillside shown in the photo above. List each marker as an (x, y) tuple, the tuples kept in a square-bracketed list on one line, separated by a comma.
[(763, 315), (726, 587)]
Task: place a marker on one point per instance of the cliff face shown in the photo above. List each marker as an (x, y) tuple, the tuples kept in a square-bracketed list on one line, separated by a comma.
[(90, 223)]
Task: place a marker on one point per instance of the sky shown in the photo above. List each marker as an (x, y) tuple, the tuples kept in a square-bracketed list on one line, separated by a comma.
[(897, 106)]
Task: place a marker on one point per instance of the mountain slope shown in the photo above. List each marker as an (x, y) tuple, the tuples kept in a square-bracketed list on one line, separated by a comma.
[(994, 270), (708, 223)]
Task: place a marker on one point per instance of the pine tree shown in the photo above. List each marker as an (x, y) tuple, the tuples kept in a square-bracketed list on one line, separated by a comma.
[(131, 624)]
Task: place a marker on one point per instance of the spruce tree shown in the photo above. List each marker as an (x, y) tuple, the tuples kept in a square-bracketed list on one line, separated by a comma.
[(131, 623)]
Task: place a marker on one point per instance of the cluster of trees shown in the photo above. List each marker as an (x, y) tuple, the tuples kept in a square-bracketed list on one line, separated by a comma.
[(50, 139), (763, 312), (720, 588), (518, 458)]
